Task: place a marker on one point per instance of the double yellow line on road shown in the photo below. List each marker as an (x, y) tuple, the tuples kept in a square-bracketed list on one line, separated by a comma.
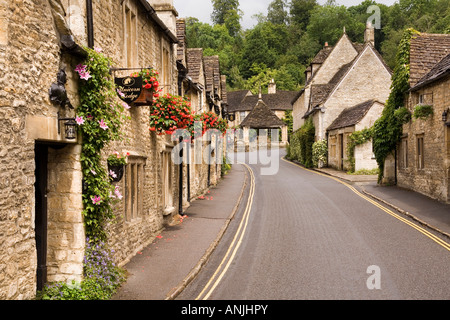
[(234, 246), (436, 239)]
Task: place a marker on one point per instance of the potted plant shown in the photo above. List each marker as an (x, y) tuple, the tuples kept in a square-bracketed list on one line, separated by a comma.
[(116, 163), (150, 86)]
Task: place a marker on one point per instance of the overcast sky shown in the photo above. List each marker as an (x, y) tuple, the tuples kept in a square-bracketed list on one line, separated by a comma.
[(201, 9)]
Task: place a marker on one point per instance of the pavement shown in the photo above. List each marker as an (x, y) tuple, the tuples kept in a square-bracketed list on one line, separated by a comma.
[(163, 269)]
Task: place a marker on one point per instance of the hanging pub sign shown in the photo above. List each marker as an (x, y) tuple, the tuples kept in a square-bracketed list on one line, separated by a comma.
[(231, 117), (129, 88)]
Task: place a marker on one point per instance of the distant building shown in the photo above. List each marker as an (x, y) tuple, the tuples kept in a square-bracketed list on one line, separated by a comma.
[(339, 79), (242, 103)]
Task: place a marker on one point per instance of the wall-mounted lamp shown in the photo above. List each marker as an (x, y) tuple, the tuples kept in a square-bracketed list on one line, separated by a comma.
[(445, 115), (70, 127)]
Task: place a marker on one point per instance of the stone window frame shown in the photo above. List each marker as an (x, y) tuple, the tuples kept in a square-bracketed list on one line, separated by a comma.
[(404, 156), (165, 67), (426, 98), (133, 188), (130, 27), (420, 151), (168, 181)]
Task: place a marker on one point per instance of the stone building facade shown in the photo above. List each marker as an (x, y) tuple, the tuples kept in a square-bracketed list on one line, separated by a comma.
[(423, 157), (243, 102), (339, 78), (42, 237), (353, 119)]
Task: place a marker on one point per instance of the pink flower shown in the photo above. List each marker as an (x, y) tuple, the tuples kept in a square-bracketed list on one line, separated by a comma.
[(96, 200), (85, 75), (125, 105), (120, 93), (112, 174), (103, 125), (79, 120), (80, 68), (98, 50), (117, 193)]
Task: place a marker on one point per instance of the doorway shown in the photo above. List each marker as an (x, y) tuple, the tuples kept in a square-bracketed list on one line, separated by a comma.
[(341, 152), (41, 187)]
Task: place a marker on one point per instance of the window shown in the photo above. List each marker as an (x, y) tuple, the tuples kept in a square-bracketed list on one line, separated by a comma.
[(130, 34), (426, 98), (420, 152), (242, 116), (165, 69), (167, 182), (134, 173), (404, 153)]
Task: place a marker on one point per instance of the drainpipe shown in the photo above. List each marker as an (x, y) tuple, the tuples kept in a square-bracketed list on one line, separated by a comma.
[(90, 23), (180, 183)]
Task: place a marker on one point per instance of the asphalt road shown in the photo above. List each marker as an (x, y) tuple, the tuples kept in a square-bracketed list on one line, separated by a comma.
[(303, 236)]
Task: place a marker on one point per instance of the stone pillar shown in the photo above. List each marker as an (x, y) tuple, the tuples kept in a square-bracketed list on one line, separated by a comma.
[(66, 234)]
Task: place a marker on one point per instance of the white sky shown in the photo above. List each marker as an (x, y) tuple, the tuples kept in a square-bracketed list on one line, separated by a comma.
[(201, 9)]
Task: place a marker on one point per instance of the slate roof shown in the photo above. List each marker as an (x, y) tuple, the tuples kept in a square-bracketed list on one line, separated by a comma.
[(245, 101), (194, 59), (351, 116), (426, 51), (261, 117), (440, 70)]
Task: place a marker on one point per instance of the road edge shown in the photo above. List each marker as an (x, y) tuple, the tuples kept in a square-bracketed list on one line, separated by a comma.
[(176, 291)]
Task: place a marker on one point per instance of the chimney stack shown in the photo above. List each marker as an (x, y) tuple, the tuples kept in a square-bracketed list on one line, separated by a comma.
[(272, 87), (369, 34)]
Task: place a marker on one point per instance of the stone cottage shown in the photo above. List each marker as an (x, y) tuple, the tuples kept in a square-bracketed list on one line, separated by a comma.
[(241, 104), (423, 157), (42, 236), (356, 118), (339, 78)]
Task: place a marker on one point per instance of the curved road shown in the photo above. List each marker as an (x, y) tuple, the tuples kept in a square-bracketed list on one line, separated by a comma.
[(300, 235)]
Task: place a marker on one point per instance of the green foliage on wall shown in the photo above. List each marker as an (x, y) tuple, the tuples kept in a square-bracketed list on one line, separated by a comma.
[(320, 153), (99, 117), (388, 128), (301, 145), (423, 111), (357, 138)]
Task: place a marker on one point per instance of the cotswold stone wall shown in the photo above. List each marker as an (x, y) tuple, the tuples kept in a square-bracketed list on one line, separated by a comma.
[(433, 179), (29, 59)]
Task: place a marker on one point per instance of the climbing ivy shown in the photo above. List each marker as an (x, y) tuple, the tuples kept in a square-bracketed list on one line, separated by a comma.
[(388, 128), (99, 117)]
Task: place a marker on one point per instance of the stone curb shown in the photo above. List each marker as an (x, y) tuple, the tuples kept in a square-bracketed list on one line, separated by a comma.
[(406, 213), (196, 270)]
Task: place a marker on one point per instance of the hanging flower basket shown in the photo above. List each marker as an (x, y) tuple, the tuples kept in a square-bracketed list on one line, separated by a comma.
[(115, 173), (170, 113), (150, 87), (145, 98), (116, 165)]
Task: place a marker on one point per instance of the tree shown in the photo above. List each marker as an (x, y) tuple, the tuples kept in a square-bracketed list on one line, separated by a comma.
[(276, 12), (227, 12), (300, 11)]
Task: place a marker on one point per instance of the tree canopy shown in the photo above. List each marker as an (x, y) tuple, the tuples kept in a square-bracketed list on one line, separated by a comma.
[(284, 41)]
